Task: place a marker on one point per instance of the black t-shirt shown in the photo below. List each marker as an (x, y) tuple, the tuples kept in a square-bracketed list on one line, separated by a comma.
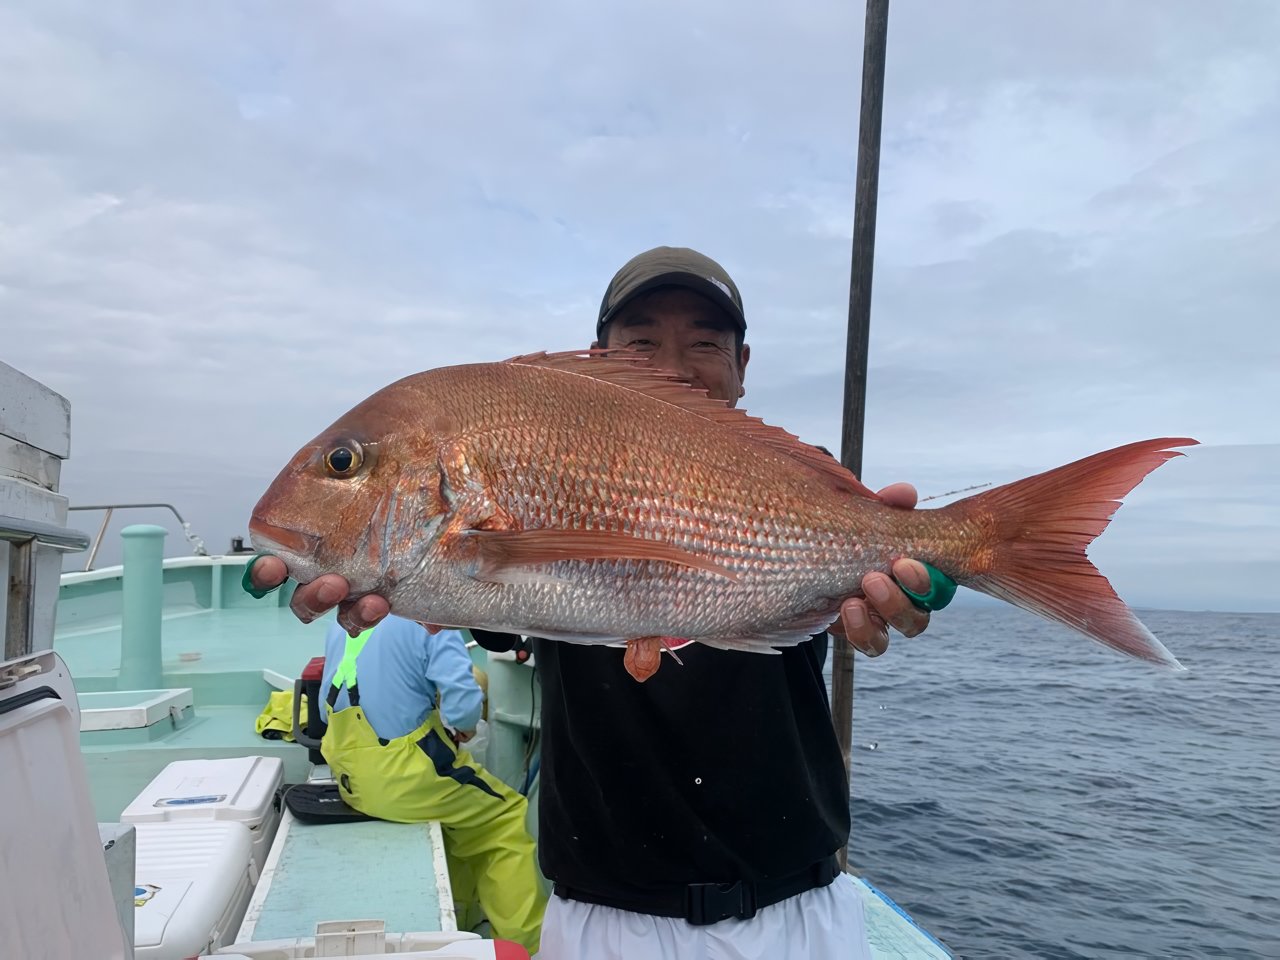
[(722, 768)]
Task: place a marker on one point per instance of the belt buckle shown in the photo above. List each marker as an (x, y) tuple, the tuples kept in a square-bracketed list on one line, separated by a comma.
[(707, 903)]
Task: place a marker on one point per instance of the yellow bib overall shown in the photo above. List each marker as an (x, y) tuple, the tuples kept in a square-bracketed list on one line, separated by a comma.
[(425, 776)]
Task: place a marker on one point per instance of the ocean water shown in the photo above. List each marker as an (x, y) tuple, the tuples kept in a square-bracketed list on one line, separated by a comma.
[(1024, 792)]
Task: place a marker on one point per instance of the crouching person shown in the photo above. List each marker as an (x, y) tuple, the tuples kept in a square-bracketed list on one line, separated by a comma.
[(397, 756)]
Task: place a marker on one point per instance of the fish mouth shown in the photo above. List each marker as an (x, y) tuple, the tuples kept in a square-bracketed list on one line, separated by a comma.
[(293, 541)]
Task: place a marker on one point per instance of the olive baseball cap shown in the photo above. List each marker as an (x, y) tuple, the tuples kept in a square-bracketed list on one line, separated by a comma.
[(672, 267)]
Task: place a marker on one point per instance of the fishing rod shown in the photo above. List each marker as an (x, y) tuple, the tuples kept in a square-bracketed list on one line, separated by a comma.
[(866, 189), (952, 493)]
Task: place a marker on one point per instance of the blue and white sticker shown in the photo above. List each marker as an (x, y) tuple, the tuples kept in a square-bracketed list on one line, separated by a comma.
[(190, 801)]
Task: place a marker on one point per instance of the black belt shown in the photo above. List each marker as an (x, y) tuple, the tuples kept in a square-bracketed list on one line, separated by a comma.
[(706, 903)]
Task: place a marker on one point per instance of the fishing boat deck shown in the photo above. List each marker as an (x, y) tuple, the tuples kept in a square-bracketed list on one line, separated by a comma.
[(221, 654), (395, 872), (229, 650), (210, 625)]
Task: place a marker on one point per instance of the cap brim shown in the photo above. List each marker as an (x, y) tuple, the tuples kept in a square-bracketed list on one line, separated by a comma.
[(689, 281)]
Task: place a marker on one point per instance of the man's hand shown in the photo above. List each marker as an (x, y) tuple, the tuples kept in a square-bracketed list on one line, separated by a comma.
[(865, 621), (322, 594)]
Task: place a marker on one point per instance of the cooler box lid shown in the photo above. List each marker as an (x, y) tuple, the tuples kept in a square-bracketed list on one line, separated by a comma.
[(237, 788), (55, 892)]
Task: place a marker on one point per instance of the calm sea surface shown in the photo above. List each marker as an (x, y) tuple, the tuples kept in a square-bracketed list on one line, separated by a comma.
[(1024, 792)]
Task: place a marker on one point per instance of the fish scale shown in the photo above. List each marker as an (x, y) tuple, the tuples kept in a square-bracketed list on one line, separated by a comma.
[(759, 549)]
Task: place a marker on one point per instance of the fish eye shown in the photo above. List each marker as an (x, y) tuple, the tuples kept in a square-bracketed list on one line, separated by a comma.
[(344, 459)]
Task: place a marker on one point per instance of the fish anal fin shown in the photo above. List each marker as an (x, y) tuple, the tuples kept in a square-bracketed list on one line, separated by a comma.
[(633, 370), (500, 552), (797, 629)]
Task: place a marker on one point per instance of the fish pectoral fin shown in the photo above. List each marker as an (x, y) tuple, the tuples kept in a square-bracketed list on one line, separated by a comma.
[(500, 550)]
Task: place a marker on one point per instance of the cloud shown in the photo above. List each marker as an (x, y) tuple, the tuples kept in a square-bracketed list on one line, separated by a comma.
[(222, 225)]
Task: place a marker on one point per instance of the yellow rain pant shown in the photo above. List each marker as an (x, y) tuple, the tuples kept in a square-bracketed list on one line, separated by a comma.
[(424, 776)]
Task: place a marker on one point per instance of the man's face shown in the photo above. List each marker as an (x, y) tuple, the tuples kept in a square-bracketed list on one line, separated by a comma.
[(685, 333)]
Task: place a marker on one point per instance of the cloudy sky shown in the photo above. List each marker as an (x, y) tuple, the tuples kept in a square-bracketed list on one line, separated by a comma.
[(221, 225)]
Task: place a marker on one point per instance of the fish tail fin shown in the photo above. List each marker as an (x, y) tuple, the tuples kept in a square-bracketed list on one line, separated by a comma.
[(1032, 536)]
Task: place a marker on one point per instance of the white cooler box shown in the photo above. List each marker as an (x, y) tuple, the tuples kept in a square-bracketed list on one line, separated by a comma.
[(240, 789), (192, 887)]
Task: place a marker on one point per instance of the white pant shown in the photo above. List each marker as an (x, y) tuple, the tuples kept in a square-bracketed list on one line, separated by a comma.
[(822, 923)]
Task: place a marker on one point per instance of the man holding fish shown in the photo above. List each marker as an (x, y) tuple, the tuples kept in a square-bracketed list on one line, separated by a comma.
[(619, 510), (629, 827)]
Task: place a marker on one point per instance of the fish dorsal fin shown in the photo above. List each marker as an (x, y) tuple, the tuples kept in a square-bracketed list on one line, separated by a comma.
[(633, 370)]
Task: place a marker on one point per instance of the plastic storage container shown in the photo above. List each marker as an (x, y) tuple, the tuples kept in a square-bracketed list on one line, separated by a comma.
[(55, 891), (192, 886), (239, 789)]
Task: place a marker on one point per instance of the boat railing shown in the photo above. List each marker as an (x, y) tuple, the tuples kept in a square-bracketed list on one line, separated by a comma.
[(24, 537), (197, 544)]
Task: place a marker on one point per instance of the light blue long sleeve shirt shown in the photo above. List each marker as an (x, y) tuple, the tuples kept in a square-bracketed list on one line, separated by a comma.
[(399, 672)]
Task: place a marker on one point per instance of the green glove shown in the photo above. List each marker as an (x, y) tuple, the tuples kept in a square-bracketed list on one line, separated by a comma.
[(941, 589), (246, 581)]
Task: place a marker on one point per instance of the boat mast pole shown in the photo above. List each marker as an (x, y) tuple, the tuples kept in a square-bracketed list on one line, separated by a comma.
[(855, 368)]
